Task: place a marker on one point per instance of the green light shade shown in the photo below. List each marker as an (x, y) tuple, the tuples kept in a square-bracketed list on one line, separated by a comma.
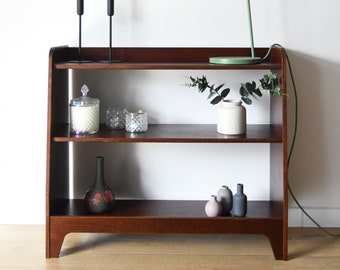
[(234, 60), (239, 60)]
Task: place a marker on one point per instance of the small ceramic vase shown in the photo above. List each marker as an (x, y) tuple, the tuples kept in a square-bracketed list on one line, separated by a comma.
[(225, 198), (240, 202), (99, 198), (213, 208)]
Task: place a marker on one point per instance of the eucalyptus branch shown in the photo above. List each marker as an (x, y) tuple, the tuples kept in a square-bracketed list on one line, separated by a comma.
[(269, 82), (216, 94)]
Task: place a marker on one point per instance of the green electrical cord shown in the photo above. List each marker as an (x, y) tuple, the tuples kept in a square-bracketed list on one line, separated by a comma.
[(294, 137)]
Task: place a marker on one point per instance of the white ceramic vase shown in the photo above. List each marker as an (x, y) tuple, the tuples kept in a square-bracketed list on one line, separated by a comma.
[(231, 118)]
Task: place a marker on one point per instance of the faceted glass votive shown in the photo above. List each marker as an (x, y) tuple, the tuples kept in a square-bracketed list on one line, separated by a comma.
[(136, 121), (115, 118)]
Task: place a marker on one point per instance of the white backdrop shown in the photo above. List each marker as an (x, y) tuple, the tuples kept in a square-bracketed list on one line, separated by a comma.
[(307, 28)]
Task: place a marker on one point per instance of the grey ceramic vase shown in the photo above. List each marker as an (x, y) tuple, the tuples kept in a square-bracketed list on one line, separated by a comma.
[(240, 202), (99, 198), (225, 197)]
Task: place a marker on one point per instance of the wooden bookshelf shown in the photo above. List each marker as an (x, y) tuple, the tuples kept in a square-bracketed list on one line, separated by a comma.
[(65, 215)]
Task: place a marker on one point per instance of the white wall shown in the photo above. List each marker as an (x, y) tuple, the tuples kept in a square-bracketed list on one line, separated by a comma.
[(307, 28)]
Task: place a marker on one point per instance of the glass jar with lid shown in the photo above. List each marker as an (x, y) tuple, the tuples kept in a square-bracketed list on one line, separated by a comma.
[(84, 113)]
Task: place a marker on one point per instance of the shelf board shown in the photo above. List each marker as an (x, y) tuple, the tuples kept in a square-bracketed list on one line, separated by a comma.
[(162, 209), (164, 58), (162, 66), (174, 133)]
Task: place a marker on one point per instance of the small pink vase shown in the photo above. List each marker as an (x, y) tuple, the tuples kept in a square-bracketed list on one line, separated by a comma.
[(213, 208)]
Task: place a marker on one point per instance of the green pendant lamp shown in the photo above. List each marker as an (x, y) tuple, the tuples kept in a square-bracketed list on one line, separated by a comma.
[(239, 60)]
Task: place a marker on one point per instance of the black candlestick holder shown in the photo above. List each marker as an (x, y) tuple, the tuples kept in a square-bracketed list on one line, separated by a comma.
[(110, 12), (80, 12)]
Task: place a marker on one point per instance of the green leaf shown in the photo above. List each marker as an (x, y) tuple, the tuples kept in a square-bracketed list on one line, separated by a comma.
[(270, 76), (243, 90), (219, 87), (247, 100), (270, 81), (202, 87), (216, 100), (265, 84), (278, 91), (202, 84), (225, 92), (247, 89), (258, 92), (212, 93), (251, 87)]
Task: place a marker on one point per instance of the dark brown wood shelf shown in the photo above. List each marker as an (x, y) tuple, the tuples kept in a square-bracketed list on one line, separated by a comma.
[(161, 58), (159, 66), (176, 133), (65, 215), (163, 208)]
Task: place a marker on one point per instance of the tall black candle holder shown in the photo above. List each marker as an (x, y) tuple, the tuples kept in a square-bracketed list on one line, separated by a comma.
[(110, 12), (80, 12)]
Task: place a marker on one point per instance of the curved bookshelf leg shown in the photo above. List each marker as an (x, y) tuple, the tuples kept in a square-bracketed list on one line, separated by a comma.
[(56, 241), (277, 244)]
